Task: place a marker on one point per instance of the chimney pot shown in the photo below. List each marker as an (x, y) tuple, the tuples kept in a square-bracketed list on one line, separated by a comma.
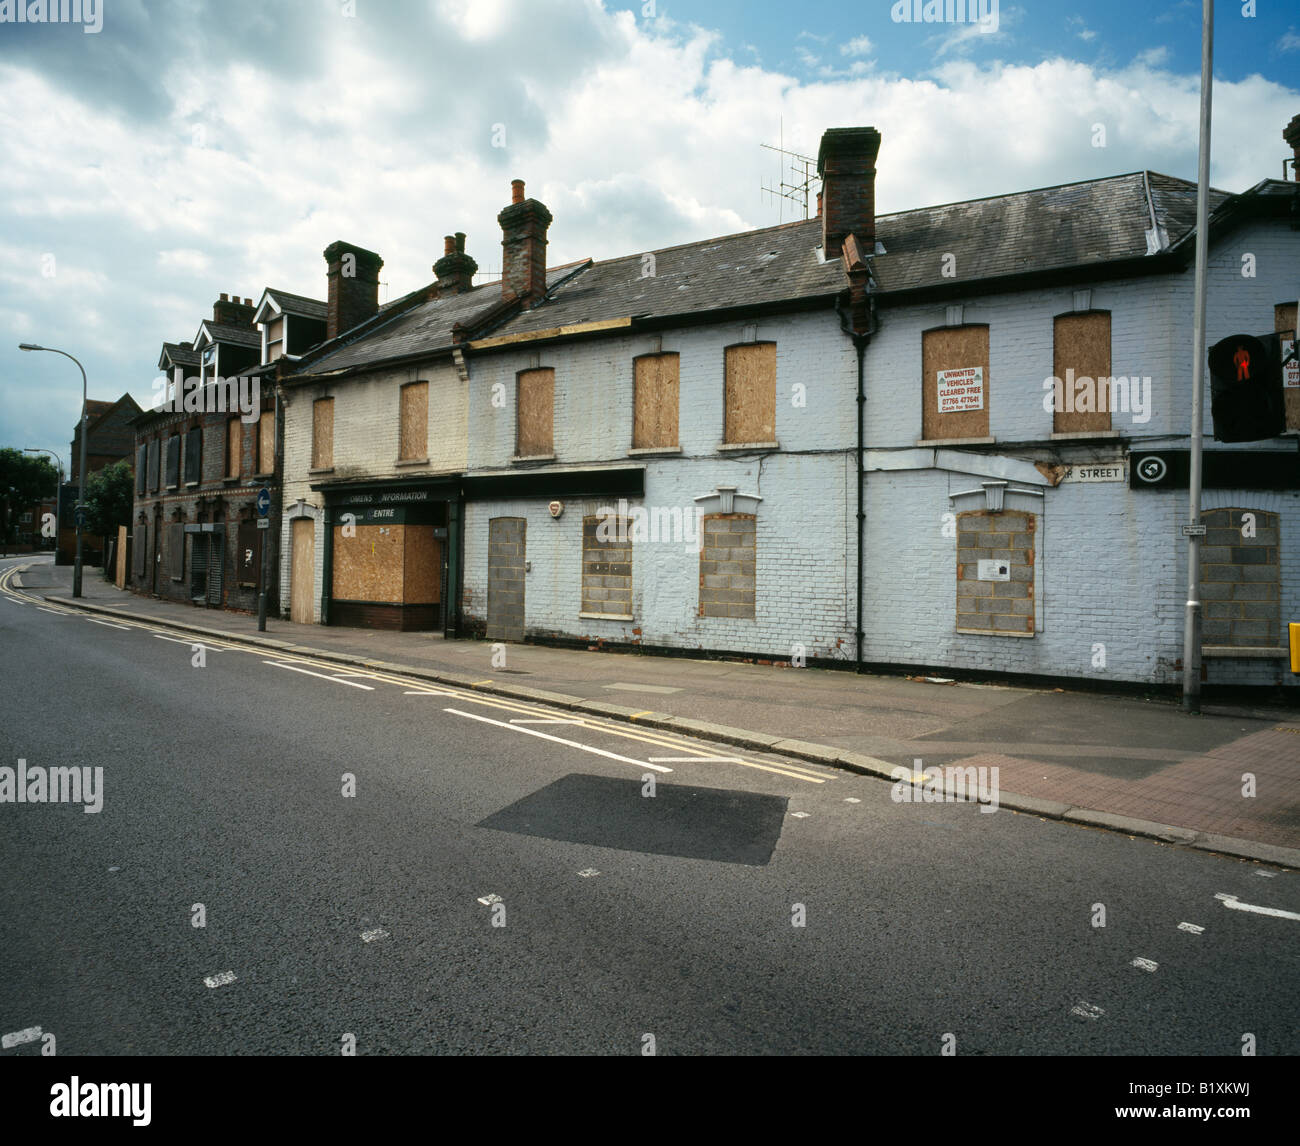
[(1291, 133), (448, 244), (516, 190), (455, 270), (225, 297)]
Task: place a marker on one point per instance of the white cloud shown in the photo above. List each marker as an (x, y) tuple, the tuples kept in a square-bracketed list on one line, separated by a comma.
[(858, 46)]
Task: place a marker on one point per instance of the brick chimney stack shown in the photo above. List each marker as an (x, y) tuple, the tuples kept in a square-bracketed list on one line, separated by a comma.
[(455, 270), (846, 163), (523, 245), (1291, 133), (229, 311), (353, 274)]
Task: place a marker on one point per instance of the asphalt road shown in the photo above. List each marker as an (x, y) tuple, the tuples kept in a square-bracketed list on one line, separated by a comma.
[(626, 915)]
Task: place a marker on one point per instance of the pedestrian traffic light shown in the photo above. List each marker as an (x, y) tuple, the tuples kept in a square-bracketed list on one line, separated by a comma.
[(1246, 388)]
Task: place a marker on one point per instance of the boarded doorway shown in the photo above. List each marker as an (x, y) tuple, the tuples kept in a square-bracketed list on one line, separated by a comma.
[(303, 580), (506, 544)]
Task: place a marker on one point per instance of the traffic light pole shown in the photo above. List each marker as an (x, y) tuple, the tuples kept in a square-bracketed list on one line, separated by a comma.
[(1192, 621)]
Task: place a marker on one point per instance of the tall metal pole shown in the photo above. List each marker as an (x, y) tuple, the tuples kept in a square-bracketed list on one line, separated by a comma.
[(81, 489), (1192, 621)]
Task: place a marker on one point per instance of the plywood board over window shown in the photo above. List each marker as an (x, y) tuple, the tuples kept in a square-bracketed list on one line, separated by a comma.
[(1081, 367), (536, 412), (655, 385), (368, 565), (322, 434), (1284, 320), (266, 442), (750, 393), (414, 415), (954, 348)]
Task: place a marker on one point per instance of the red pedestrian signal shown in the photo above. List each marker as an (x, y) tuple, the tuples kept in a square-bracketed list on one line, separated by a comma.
[(1246, 399)]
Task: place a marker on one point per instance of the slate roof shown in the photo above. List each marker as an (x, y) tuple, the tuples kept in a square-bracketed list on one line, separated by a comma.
[(1093, 222), (298, 304), (239, 335), (425, 327), (181, 353)]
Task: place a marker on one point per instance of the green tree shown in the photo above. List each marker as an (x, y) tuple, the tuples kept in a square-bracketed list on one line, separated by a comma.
[(108, 498), (24, 479)]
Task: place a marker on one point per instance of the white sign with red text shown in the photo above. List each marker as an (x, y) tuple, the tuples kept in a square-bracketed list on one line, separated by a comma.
[(961, 389)]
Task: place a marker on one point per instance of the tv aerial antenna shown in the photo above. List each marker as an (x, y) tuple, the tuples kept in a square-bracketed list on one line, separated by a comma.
[(802, 172)]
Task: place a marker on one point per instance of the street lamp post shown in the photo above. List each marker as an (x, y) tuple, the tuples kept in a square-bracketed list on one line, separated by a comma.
[(81, 488), (58, 485)]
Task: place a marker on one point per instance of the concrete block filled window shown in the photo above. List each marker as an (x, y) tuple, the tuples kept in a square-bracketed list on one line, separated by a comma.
[(955, 383), (995, 573), (655, 385), (414, 418), (750, 394), (1241, 579), (728, 564), (535, 413), (234, 447), (606, 567), (1081, 369), (322, 434), (265, 443)]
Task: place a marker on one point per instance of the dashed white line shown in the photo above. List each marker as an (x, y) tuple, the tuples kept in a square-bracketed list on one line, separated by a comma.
[(221, 979), (56, 612), (320, 675), (559, 740), (696, 760), (30, 1035), (373, 934), (1191, 927), (1087, 1011), (1145, 964), (489, 899), (108, 624), (547, 720), (1231, 901), (800, 815), (588, 872)]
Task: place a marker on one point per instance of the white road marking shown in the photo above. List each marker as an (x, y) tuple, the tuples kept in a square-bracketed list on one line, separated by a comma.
[(1087, 1010), (220, 980), (108, 624), (559, 740), (373, 934), (1145, 964), (320, 675), (1190, 927), (696, 760), (852, 800), (178, 641), (548, 720), (429, 692), (490, 899), (30, 1035), (56, 612), (1266, 874), (15, 601), (1235, 904), (588, 872), (800, 815)]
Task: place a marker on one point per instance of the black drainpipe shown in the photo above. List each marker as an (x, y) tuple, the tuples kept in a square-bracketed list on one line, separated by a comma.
[(860, 342)]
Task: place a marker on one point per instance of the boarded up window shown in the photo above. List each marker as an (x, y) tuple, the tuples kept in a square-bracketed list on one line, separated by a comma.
[(322, 434), (1284, 320), (194, 454), (266, 442), (141, 467), (368, 565), (750, 393), (1241, 579), (174, 551), (153, 465), (1081, 372), (654, 418), (536, 413), (234, 447), (727, 565), (414, 421), (173, 475), (961, 355), (995, 573), (606, 566), (248, 555)]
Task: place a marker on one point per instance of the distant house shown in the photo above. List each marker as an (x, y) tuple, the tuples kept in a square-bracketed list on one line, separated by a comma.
[(109, 439), (201, 457)]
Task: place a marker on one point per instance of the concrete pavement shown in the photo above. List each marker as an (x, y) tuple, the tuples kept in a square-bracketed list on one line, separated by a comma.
[(1226, 781)]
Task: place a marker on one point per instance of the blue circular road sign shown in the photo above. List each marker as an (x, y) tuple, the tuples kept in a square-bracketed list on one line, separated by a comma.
[(263, 502)]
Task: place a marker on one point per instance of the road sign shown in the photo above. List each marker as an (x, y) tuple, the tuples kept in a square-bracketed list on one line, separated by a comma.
[(263, 502), (79, 515), (1197, 530), (263, 523)]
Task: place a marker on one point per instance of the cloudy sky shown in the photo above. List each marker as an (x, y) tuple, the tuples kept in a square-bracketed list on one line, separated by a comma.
[(191, 147)]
